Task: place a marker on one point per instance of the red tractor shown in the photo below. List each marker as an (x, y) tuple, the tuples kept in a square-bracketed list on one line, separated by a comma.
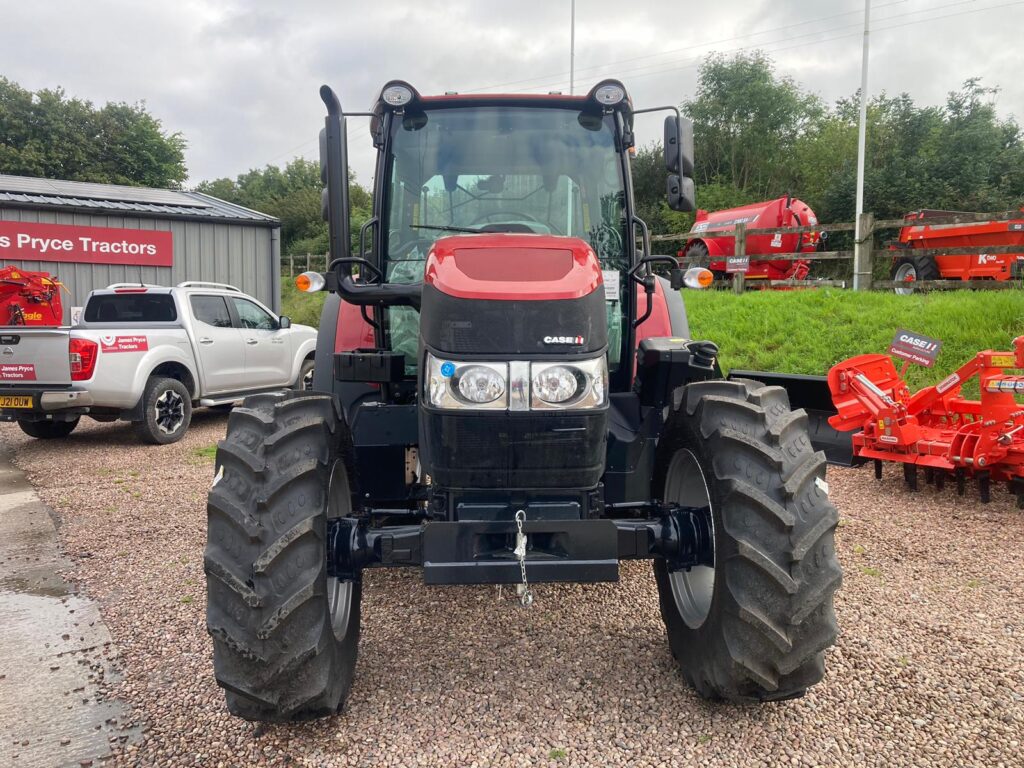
[(781, 212), (29, 298), (506, 393), (909, 267)]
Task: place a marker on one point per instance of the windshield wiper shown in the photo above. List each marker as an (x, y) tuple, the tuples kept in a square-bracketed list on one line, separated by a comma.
[(446, 228)]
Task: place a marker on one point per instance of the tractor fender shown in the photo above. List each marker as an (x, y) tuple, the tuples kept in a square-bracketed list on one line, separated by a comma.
[(676, 308)]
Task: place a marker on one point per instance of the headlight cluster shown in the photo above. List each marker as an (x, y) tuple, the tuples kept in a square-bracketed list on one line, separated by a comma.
[(517, 385)]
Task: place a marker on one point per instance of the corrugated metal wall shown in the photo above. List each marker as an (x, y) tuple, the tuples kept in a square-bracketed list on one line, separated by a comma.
[(242, 255)]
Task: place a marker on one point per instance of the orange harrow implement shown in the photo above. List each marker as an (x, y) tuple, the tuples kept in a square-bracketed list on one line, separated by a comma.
[(936, 428)]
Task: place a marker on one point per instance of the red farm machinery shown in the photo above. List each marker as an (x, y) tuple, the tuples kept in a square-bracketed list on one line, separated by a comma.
[(930, 229), (29, 298), (505, 392), (937, 429), (713, 249)]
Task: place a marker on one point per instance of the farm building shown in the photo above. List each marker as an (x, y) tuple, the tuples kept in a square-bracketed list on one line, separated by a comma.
[(92, 235)]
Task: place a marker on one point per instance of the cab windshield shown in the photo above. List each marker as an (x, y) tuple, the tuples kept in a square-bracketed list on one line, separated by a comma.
[(547, 171)]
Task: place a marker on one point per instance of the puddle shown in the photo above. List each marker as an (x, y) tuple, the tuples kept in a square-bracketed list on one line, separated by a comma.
[(37, 587)]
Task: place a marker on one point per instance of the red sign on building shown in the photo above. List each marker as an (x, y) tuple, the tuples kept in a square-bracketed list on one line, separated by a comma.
[(28, 241)]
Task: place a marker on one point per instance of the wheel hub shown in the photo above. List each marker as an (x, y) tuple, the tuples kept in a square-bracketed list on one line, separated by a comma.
[(170, 411), (693, 588)]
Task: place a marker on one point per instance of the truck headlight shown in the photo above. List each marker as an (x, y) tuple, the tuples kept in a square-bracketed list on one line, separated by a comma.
[(466, 385), (569, 385)]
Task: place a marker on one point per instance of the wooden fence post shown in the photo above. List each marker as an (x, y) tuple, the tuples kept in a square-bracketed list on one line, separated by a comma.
[(291, 265), (862, 253), (740, 250)]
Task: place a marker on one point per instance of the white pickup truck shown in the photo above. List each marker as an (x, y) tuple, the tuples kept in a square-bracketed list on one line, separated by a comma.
[(149, 354)]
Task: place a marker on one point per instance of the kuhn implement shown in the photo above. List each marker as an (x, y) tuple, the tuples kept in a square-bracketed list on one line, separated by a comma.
[(937, 429), (926, 230), (29, 298)]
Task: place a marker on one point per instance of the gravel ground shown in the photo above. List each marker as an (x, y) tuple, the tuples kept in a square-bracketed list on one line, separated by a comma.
[(929, 669)]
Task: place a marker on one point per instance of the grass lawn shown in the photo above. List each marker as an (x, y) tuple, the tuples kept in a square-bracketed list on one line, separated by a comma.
[(809, 331)]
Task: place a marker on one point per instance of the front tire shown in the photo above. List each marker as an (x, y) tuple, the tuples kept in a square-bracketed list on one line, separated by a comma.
[(48, 430), (754, 627), (304, 382), (166, 411), (285, 636)]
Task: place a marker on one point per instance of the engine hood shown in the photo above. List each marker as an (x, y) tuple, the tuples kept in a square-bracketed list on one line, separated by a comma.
[(513, 267)]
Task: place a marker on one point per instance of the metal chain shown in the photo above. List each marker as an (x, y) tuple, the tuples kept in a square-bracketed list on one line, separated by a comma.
[(525, 594)]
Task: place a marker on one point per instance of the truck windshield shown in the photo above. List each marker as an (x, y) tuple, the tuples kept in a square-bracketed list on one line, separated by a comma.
[(499, 169)]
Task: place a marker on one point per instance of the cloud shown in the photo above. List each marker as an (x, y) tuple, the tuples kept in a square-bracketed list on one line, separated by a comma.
[(240, 79)]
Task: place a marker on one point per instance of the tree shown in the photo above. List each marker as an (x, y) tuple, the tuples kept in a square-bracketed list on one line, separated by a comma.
[(291, 194), (747, 122), (51, 135)]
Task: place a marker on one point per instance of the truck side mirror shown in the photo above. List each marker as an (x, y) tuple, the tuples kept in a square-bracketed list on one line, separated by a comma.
[(680, 193), (284, 322), (679, 145)]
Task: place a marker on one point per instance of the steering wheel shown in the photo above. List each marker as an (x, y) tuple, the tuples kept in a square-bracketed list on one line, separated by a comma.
[(407, 248), (516, 216)]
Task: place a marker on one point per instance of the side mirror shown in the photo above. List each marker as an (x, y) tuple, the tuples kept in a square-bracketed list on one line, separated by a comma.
[(284, 322), (680, 193), (679, 145), (676, 278)]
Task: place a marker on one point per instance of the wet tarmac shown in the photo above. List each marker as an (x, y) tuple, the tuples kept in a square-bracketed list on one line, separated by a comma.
[(56, 656)]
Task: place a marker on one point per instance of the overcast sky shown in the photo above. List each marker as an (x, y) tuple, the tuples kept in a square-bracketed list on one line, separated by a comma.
[(239, 79)]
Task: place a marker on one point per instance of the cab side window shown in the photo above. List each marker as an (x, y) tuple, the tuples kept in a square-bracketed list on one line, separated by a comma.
[(253, 317), (211, 310)]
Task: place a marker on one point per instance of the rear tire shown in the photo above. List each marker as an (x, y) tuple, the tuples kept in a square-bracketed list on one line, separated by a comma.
[(48, 430), (304, 382), (754, 627), (166, 411), (285, 636), (913, 268)]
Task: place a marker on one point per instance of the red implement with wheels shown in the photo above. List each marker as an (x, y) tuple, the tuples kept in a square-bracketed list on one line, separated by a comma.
[(925, 230), (937, 428), (713, 252), (29, 298)]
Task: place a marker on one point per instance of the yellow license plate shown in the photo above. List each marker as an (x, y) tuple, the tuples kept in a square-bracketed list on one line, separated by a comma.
[(15, 401)]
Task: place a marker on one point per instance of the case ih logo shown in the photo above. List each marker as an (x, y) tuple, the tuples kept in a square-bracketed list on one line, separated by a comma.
[(124, 343), (577, 340), (914, 347), (17, 372)]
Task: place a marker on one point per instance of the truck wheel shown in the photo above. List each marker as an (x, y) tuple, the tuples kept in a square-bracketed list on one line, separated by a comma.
[(166, 411), (909, 269), (48, 430), (285, 635), (755, 625), (305, 380)]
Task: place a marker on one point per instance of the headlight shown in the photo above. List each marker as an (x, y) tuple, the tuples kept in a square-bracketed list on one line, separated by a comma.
[(466, 385), (569, 385), (556, 384), (479, 384)]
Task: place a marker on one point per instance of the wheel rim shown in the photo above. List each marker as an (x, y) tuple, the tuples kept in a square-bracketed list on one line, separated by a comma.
[(692, 589), (339, 592), (905, 273), (307, 379), (169, 409)]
